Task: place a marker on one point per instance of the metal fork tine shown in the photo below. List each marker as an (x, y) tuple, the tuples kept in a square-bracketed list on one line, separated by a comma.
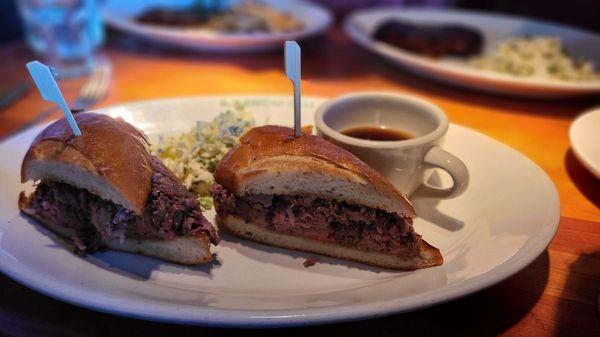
[(104, 83), (95, 88), (87, 93), (100, 89), (88, 86), (100, 78)]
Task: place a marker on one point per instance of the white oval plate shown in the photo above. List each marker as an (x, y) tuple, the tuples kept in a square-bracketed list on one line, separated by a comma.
[(360, 25), (504, 220), (584, 135), (120, 15)]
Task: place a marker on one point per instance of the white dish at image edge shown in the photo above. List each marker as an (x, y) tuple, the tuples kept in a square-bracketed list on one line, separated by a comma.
[(584, 135)]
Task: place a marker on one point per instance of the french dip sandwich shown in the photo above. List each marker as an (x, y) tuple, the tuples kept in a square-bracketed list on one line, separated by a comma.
[(307, 194), (104, 190)]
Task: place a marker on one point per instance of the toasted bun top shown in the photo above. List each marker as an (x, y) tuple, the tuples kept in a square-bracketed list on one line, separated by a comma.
[(110, 159), (270, 160)]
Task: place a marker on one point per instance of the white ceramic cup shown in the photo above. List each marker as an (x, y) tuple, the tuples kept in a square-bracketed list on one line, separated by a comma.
[(403, 162)]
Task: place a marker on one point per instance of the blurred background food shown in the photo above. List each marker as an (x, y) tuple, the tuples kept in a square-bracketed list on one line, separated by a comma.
[(541, 57), (432, 40), (246, 16), (69, 35), (580, 13)]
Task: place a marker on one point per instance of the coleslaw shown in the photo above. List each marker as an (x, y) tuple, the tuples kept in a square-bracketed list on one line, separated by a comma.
[(193, 156), (537, 57)]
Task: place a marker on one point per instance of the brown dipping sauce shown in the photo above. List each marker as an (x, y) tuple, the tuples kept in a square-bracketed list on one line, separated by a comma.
[(376, 133)]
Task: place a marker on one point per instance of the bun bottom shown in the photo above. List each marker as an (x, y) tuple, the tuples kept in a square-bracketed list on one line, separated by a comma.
[(429, 255), (189, 250)]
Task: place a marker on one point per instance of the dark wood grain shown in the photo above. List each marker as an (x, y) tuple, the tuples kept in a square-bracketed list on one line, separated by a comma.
[(557, 295)]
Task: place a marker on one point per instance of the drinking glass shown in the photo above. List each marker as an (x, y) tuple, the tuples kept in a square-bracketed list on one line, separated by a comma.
[(65, 32)]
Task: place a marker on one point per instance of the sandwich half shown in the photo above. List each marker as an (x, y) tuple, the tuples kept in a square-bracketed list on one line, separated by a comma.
[(104, 190), (307, 194)]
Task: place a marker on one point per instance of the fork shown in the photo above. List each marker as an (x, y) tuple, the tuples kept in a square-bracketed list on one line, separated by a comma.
[(94, 89), (91, 92)]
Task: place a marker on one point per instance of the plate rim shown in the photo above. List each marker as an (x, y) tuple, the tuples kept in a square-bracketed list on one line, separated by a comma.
[(582, 156), (224, 318), (404, 58)]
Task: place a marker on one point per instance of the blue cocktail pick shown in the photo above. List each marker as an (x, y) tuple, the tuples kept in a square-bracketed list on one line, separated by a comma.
[(46, 84), (292, 71)]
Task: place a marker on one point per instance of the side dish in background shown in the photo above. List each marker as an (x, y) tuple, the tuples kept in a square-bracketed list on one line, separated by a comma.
[(193, 156), (540, 57), (247, 17), (104, 189), (307, 194), (434, 40)]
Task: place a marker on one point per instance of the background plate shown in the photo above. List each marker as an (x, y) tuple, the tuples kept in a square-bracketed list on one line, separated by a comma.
[(120, 15), (362, 23), (504, 220)]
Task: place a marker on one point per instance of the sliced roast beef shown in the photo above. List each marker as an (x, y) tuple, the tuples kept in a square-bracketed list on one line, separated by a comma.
[(321, 219), (171, 211)]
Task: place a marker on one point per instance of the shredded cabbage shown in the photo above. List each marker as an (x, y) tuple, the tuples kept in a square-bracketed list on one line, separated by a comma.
[(537, 57), (194, 155)]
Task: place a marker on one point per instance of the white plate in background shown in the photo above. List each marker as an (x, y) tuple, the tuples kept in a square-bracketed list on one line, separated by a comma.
[(504, 220), (120, 14), (362, 23), (584, 135)]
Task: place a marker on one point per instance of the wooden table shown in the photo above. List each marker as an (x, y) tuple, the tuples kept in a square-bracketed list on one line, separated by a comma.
[(556, 295)]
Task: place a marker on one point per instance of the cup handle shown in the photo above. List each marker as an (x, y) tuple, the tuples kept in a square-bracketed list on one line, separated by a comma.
[(438, 158)]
